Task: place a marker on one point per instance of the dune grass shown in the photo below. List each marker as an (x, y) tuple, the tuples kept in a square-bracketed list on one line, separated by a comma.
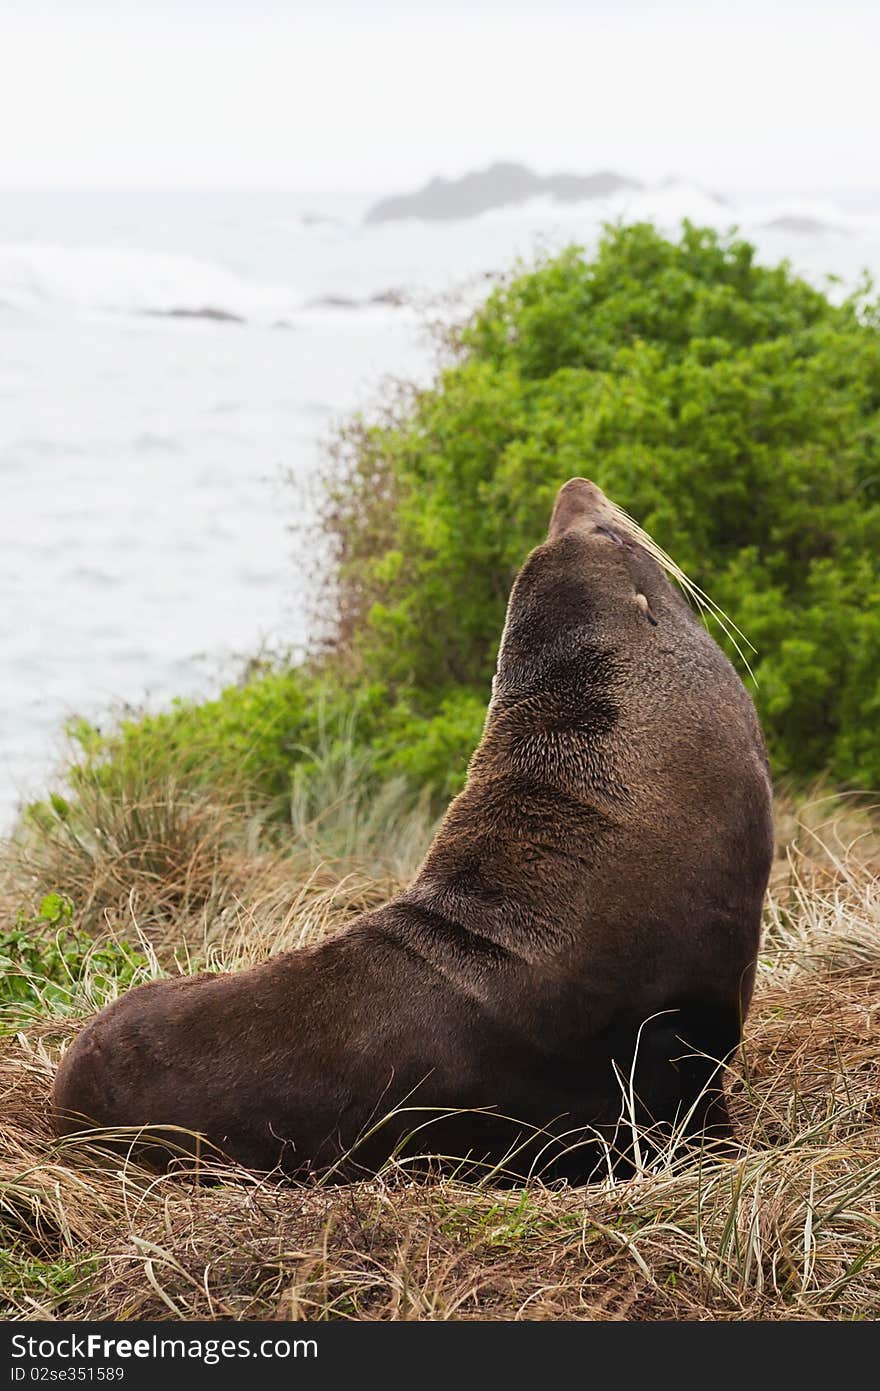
[(168, 880)]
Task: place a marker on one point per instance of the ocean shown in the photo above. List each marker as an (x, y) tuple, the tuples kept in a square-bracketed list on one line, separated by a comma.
[(172, 367)]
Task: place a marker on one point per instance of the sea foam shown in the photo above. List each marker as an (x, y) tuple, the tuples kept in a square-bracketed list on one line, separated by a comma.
[(134, 281)]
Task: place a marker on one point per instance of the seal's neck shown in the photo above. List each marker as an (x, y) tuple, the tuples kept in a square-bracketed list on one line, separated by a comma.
[(562, 738), (512, 861)]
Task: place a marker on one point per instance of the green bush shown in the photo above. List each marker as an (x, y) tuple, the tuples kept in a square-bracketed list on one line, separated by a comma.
[(256, 745), (245, 740), (732, 408)]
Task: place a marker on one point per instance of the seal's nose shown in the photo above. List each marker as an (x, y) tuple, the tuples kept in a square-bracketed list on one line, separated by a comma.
[(577, 501)]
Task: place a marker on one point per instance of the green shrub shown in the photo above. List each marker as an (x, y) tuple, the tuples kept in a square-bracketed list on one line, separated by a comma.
[(245, 740), (732, 408), (256, 747), (47, 966)]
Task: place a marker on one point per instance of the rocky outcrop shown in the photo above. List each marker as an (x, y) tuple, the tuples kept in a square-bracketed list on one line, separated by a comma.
[(207, 311), (501, 185)]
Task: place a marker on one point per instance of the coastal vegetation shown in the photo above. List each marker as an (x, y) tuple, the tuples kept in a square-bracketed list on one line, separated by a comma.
[(730, 407), (734, 410)]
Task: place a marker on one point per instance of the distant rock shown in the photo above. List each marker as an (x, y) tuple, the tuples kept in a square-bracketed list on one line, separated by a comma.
[(394, 298), (801, 226), (333, 302), (499, 186), (219, 316), (574, 188)]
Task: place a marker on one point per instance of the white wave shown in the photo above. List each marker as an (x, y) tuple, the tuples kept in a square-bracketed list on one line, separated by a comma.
[(131, 281), (669, 204)]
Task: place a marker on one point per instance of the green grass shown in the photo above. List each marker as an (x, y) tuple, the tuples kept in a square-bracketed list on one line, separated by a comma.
[(50, 968), (42, 1286)]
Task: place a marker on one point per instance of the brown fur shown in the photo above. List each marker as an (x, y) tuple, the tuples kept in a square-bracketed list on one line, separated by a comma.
[(588, 915)]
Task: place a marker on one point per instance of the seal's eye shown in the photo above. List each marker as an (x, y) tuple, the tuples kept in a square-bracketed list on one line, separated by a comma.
[(645, 607), (612, 535)]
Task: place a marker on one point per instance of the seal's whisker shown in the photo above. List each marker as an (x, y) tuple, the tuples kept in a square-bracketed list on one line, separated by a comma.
[(673, 568), (702, 600)]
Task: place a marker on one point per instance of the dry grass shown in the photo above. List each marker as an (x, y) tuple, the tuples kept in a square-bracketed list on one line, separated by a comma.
[(789, 1228)]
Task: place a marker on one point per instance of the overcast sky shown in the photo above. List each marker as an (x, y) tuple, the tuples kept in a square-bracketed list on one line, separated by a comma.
[(381, 94)]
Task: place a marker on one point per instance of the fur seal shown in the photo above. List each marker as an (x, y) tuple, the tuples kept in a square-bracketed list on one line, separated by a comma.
[(577, 950)]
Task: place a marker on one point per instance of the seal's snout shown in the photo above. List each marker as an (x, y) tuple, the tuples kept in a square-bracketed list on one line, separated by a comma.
[(578, 501)]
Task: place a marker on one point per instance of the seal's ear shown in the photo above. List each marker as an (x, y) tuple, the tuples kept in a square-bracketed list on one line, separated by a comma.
[(645, 607)]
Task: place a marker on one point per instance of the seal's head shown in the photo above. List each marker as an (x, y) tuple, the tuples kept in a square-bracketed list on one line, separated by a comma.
[(602, 656), (591, 584)]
